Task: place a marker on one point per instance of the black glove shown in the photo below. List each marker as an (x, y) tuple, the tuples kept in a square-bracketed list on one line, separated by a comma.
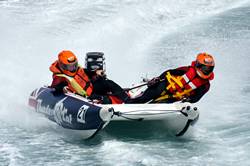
[(95, 97), (153, 81), (98, 99)]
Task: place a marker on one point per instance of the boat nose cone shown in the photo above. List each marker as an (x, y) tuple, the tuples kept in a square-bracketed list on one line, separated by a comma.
[(106, 114)]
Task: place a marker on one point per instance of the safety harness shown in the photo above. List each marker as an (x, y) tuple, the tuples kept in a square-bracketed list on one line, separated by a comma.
[(180, 87), (75, 85)]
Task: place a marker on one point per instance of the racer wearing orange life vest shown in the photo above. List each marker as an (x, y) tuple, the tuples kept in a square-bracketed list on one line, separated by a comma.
[(187, 83), (67, 72)]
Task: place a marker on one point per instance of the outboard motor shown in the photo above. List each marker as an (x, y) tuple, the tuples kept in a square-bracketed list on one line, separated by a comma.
[(95, 61)]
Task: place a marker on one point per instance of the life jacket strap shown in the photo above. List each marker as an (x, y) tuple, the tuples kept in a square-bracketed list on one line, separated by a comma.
[(164, 97), (173, 81), (182, 94), (74, 84)]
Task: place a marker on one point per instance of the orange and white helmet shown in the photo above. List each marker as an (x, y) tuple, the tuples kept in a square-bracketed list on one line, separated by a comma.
[(204, 65), (68, 62)]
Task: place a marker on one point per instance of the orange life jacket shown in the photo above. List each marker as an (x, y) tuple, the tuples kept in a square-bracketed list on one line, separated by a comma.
[(80, 83), (180, 87)]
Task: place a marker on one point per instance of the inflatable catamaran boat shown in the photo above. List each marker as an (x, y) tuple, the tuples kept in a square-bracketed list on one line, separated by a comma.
[(77, 114)]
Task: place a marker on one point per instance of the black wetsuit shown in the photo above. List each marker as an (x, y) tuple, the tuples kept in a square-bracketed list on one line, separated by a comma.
[(103, 88)]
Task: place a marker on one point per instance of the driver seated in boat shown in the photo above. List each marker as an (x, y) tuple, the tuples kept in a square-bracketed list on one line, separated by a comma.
[(187, 84), (67, 73), (105, 90), (89, 83)]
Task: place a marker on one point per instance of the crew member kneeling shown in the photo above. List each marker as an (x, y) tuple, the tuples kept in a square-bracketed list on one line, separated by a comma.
[(188, 83)]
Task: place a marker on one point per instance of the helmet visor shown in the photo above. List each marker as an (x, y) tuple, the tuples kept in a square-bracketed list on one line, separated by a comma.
[(72, 67), (205, 69)]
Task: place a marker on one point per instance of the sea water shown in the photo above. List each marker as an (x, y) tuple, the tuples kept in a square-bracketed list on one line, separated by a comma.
[(139, 39)]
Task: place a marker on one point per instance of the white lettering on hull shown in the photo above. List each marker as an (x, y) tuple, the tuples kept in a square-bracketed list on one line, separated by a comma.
[(59, 112), (81, 114)]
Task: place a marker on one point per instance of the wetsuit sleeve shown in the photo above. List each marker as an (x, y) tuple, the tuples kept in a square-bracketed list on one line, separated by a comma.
[(198, 93), (177, 72), (89, 73), (113, 88)]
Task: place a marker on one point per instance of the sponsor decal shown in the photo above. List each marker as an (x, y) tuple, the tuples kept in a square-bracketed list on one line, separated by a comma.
[(81, 114), (59, 112), (44, 109)]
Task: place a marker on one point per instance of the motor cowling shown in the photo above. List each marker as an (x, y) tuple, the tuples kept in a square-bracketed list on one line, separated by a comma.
[(95, 61)]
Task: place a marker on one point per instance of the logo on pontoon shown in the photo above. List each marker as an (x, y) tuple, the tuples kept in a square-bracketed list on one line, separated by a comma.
[(44, 109), (59, 112), (82, 113)]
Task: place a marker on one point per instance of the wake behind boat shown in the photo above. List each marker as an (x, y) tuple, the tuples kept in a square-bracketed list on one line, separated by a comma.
[(77, 114)]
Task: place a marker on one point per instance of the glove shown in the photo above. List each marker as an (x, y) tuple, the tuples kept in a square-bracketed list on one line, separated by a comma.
[(153, 81), (145, 79), (66, 89), (95, 97)]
